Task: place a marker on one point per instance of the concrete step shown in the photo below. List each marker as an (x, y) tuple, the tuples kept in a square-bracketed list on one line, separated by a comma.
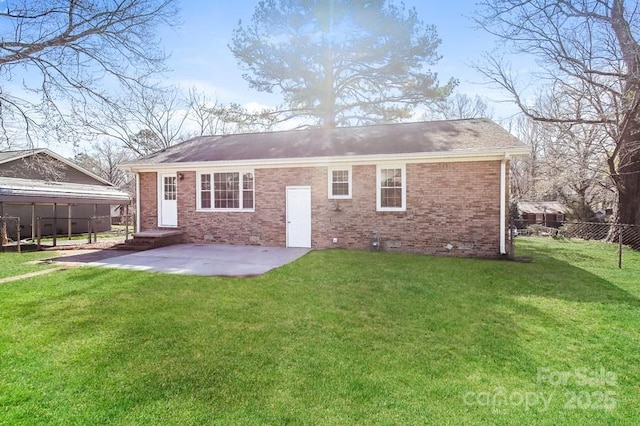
[(147, 240), (132, 247)]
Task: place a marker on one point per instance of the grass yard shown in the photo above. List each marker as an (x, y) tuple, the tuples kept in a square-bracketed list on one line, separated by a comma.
[(335, 338), (12, 264)]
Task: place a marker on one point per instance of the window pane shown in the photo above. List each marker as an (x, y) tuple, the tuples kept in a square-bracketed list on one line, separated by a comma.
[(340, 182), (391, 178), (340, 175), (205, 191), (226, 188), (247, 200), (205, 199), (169, 187), (247, 193), (205, 182), (391, 188), (247, 181), (340, 188), (391, 197)]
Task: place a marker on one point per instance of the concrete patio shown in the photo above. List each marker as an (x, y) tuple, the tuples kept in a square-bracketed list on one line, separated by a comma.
[(193, 259)]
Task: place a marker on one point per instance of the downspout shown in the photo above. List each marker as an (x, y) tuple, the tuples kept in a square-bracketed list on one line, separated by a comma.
[(503, 205), (137, 202), (33, 221)]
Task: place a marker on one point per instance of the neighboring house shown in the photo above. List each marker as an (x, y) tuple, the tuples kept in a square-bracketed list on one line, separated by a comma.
[(38, 183), (547, 213), (436, 187)]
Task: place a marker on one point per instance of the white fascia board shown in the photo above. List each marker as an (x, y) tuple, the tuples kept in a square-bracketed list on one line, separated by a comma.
[(24, 153), (431, 157), (20, 156)]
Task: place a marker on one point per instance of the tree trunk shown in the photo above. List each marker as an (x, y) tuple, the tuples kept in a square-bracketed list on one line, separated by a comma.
[(328, 97), (627, 176), (628, 183), (628, 196)]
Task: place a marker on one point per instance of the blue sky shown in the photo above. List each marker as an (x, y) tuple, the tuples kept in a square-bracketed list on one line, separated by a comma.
[(200, 56)]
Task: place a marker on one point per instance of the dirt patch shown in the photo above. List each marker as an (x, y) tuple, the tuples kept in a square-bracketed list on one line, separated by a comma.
[(31, 274)]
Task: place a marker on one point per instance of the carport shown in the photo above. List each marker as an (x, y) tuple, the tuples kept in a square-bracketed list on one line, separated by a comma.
[(33, 207)]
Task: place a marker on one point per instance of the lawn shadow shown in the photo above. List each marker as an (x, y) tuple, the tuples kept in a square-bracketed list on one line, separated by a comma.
[(562, 280), (551, 312), (512, 318), (88, 256)]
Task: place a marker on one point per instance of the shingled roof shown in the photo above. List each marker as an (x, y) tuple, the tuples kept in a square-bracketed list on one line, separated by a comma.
[(437, 137), (18, 190), (542, 207)]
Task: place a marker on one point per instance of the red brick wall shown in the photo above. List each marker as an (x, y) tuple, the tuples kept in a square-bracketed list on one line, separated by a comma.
[(448, 204), (148, 201)]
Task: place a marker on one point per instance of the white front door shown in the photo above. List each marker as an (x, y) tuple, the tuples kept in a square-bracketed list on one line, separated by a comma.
[(167, 200), (299, 216)]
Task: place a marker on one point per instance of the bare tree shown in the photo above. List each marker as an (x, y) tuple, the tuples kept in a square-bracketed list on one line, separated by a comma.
[(146, 119), (103, 159), (574, 168), (587, 51), (460, 105), (63, 52), (151, 118), (214, 117), (567, 161), (526, 171)]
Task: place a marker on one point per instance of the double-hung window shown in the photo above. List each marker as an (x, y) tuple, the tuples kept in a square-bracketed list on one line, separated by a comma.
[(226, 191), (339, 182), (391, 187)]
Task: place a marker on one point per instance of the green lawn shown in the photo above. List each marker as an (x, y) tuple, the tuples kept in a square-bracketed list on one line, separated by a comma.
[(335, 338), (12, 264)]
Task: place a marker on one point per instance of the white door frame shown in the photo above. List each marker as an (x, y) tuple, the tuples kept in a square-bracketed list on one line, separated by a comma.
[(167, 209), (298, 217)]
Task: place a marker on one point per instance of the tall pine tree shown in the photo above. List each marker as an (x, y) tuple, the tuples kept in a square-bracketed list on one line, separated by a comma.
[(341, 62)]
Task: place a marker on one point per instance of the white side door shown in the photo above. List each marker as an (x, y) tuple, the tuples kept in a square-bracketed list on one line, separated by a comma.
[(167, 200), (298, 216)]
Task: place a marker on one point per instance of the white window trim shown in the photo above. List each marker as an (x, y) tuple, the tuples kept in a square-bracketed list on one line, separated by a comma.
[(330, 171), (379, 169), (199, 174)]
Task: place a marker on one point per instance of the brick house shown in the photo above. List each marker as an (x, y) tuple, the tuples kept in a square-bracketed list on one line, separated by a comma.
[(547, 213), (437, 187)]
